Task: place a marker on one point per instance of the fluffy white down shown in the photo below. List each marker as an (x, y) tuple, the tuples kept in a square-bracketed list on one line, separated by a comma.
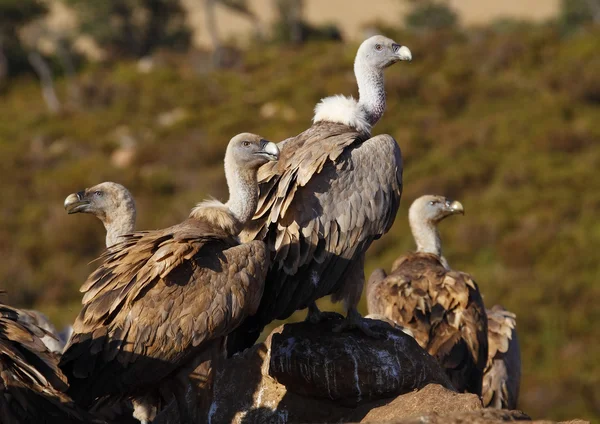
[(218, 214), (343, 110)]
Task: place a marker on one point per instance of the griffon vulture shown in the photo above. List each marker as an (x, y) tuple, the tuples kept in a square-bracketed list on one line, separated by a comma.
[(334, 190), (502, 375), (114, 206), (162, 302), (111, 203), (32, 387), (442, 307)]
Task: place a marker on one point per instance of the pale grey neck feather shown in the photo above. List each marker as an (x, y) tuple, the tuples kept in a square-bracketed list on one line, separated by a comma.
[(243, 192), (427, 237), (119, 222), (371, 90)]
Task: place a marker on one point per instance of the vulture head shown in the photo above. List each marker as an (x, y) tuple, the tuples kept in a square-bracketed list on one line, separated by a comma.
[(111, 203), (249, 151), (244, 155), (379, 52), (424, 215), (100, 200), (432, 209)]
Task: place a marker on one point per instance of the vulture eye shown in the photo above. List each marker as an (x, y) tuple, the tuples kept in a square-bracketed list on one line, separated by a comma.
[(246, 143), (378, 47), (98, 193), (433, 202)]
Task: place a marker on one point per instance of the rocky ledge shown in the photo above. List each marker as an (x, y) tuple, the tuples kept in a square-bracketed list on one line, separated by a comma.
[(306, 373)]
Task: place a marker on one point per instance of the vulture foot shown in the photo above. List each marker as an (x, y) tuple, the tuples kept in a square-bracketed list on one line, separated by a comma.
[(316, 316), (355, 321)]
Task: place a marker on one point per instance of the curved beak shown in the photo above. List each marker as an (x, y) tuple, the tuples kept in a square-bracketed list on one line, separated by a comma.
[(402, 52), (457, 207), (268, 150), (76, 203)]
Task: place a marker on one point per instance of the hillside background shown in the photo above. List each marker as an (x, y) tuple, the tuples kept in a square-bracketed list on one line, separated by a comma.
[(500, 113)]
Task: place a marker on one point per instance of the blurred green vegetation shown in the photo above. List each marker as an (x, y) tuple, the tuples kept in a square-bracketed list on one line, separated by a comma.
[(506, 121), (430, 15), (14, 14), (577, 13)]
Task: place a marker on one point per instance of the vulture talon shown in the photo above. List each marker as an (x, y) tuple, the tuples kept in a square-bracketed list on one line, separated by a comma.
[(316, 316), (355, 321)]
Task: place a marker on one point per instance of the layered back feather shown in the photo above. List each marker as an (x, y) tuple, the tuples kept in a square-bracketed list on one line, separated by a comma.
[(502, 375), (443, 309), (333, 191), (155, 300), (32, 387)]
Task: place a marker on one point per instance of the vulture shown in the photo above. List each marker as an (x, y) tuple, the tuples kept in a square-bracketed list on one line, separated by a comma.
[(442, 307), (333, 191), (502, 375), (111, 203), (32, 387), (158, 309), (115, 207)]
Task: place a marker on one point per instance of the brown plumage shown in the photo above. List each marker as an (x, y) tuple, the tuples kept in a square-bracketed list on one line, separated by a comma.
[(162, 299), (54, 340), (32, 387), (502, 375), (334, 190), (442, 307), (114, 206)]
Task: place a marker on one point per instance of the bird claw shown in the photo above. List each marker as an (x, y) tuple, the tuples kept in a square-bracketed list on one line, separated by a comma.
[(357, 322), (315, 316)]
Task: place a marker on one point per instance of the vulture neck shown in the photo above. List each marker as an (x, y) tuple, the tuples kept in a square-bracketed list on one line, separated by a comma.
[(243, 192), (119, 223), (426, 236), (371, 90)]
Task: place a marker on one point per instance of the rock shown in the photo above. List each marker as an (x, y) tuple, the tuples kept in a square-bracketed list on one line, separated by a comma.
[(348, 366), (245, 393), (172, 117), (269, 110), (431, 399), (124, 155), (273, 110), (145, 65), (480, 416)]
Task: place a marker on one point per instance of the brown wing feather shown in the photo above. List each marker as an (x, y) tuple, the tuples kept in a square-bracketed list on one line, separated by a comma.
[(332, 192), (502, 375), (442, 308), (154, 301), (31, 384)]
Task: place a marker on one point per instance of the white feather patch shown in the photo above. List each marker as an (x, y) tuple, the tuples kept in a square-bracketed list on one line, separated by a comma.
[(218, 214), (343, 110)]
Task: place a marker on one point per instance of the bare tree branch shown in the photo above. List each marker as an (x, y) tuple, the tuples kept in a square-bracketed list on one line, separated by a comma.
[(45, 74), (66, 60), (241, 7), (211, 25), (3, 62)]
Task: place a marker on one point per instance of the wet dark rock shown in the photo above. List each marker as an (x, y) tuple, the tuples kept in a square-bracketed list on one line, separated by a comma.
[(246, 393), (349, 366)]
